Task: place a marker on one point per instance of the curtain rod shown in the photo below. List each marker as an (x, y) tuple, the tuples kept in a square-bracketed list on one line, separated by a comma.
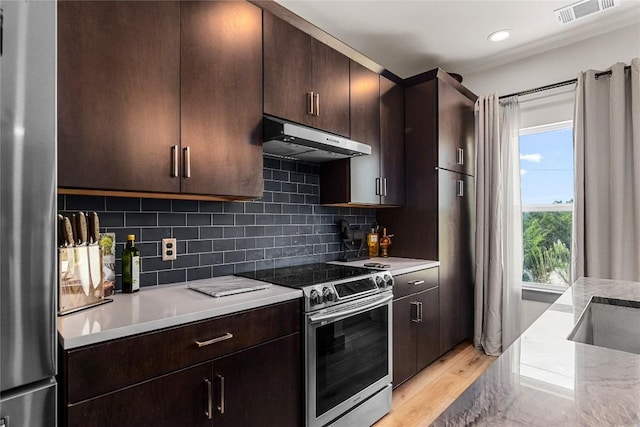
[(560, 84)]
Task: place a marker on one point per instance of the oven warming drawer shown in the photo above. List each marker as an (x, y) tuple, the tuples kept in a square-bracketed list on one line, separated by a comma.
[(368, 412)]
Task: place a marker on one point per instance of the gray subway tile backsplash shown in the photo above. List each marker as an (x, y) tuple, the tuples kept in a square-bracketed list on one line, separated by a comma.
[(287, 226)]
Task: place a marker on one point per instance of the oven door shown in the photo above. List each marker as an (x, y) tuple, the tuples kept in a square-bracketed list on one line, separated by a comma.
[(348, 356)]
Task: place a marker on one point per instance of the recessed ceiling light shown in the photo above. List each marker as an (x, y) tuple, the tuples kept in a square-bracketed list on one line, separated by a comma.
[(498, 36)]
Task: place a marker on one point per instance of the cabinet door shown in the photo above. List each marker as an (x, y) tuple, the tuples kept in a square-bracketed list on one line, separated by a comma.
[(287, 71), (221, 93), (118, 94), (330, 77), (404, 339), (391, 142), (456, 245), (428, 330), (365, 127), (455, 130), (178, 399), (260, 386)]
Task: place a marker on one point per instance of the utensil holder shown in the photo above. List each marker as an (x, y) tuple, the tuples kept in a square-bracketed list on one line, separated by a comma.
[(80, 282)]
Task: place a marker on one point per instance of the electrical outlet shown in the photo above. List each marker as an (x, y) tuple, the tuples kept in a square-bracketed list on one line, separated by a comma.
[(169, 249)]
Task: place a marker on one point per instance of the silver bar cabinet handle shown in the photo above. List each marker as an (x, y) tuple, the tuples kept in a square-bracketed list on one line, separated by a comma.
[(460, 156), (415, 282), (460, 192), (221, 407), (310, 103), (224, 337), (174, 163), (317, 96), (384, 186), (420, 308), (417, 319), (187, 162), (209, 411), (377, 186)]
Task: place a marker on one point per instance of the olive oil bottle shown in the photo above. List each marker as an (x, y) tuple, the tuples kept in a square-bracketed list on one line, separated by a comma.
[(131, 266), (372, 243)]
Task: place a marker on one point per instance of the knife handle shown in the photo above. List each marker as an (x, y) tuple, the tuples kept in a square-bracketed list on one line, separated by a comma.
[(74, 229), (81, 237), (94, 227), (61, 234), (68, 232)]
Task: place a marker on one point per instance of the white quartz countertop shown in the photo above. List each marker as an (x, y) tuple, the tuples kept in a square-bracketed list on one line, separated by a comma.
[(397, 266), (544, 379), (162, 307)]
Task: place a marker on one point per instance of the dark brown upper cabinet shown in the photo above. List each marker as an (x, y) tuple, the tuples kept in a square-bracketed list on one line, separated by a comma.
[(160, 97), (118, 94), (377, 119), (221, 97), (391, 143), (456, 149), (305, 81)]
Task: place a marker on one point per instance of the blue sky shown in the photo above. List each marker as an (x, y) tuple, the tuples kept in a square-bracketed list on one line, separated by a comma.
[(546, 166)]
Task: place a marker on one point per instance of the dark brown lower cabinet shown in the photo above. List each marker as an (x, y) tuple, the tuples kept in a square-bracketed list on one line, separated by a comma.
[(416, 327), (178, 399), (262, 386), (428, 336), (251, 378), (234, 390), (404, 340)]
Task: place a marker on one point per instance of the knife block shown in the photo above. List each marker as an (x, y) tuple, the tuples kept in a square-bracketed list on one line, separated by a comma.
[(80, 278)]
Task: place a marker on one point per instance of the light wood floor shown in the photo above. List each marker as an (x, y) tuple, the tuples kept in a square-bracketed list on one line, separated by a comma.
[(419, 401)]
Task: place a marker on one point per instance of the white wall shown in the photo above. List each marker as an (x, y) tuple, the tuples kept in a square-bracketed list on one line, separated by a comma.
[(560, 64)]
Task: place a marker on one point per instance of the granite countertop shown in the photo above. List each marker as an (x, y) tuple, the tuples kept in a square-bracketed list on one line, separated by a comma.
[(544, 379), (396, 265), (161, 307)]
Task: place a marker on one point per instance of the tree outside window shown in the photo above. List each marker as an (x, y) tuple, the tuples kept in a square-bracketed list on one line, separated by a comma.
[(546, 172)]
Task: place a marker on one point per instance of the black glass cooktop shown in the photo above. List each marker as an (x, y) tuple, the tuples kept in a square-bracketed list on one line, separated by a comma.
[(299, 276)]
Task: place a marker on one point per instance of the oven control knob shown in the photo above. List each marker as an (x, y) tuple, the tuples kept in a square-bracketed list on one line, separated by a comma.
[(388, 280), (380, 283), (328, 295), (315, 297)]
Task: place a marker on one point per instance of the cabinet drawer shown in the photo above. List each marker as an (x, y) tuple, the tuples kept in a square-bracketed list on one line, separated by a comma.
[(418, 281), (104, 367)]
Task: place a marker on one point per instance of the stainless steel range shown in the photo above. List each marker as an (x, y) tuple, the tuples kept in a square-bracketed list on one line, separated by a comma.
[(347, 325)]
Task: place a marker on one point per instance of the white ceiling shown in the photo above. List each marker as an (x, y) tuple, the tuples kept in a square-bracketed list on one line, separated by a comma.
[(409, 37)]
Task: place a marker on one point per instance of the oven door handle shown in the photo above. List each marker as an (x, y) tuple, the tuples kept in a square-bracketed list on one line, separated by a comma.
[(345, 313)]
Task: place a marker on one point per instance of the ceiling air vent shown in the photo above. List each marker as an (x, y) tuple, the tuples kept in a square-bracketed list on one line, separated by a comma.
[(582, 8)]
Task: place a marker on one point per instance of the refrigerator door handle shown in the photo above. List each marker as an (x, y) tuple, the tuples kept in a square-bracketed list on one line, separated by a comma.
[(1, 44), (460, 192)]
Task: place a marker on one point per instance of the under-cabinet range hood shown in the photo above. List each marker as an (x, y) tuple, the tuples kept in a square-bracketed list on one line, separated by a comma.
[(289, 140)]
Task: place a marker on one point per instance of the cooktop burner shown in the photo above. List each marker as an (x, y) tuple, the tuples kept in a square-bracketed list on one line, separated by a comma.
[(300, 276)]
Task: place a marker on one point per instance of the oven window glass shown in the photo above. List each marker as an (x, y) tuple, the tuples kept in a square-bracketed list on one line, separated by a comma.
[(352, 354)]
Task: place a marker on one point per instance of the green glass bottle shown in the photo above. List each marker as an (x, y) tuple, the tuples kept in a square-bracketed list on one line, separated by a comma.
[(131, 266)]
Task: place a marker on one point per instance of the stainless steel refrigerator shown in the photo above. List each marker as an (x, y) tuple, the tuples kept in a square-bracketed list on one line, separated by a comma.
[(28, 280)]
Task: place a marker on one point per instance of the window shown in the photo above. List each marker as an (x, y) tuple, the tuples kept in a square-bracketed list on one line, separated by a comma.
[(546, 173)]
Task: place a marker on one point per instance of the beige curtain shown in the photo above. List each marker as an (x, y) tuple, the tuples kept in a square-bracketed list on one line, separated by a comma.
[(606, 217), (498, 270)]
